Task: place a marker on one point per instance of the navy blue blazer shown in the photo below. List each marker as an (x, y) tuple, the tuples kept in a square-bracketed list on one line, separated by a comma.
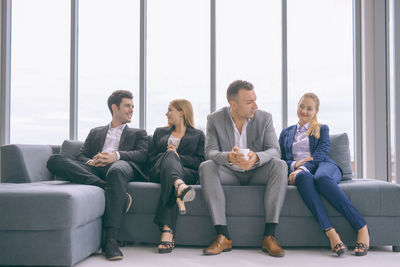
[(319, 148)]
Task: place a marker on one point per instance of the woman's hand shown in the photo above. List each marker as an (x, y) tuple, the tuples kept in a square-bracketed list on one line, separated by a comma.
[(302, 161), (171, 147), (292, 176)]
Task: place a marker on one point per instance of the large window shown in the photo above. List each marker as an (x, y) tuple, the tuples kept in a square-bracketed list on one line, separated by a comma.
[(320, 60), (249, 48), (108, 56), (40, 71), (178, 58)]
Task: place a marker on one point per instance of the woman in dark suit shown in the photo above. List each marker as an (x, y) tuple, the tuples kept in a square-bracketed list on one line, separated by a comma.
[(175, 155), (305, 148)]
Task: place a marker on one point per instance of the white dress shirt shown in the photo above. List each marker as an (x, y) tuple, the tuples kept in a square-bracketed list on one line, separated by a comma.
[(174, 141), (240, 141), (113, 137), (300, 146)]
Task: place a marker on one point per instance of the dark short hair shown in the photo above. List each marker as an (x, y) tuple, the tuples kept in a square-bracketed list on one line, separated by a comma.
[(234, 87), (116, 98)]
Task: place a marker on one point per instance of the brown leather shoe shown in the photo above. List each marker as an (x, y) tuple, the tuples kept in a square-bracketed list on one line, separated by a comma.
[(220, 244), (271, 246)]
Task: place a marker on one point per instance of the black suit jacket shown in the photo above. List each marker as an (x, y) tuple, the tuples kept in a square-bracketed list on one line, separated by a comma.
[(190, 149), (133, 146)]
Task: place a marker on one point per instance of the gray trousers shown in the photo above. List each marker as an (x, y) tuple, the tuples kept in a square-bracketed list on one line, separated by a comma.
[(273, 175)]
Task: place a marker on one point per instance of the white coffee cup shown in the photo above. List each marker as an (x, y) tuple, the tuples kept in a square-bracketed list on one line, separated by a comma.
[(245, 152)]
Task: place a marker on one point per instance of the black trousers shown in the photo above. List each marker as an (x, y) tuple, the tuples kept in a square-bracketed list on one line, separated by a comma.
[(115, 175), (166, 171)]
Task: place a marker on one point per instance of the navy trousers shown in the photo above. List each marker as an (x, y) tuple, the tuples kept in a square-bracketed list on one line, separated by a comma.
[(325, 182)]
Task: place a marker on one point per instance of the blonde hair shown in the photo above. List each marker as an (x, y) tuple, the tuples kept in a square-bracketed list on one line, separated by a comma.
[(186, 107), (314, 127)]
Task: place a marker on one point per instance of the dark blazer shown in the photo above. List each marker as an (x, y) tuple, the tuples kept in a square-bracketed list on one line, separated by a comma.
[(190, 149), (319, 148), (133, 146)]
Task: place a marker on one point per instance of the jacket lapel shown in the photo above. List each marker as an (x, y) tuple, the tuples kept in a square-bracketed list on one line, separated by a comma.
[(251, 134), (312, 140), (185, 138), (229, 129), (102, 137), (164, 138), (123, 136), (290, 140)]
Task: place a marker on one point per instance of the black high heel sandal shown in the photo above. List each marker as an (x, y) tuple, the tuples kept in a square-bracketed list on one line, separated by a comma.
[(363, 247), (337, 248), (188, 194), (168, 245)]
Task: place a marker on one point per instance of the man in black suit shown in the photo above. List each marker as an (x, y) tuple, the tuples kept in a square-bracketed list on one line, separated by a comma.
[(111, 156)]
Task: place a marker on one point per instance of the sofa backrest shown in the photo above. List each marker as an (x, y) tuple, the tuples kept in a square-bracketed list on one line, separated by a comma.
[(25, 163), (340, 153)]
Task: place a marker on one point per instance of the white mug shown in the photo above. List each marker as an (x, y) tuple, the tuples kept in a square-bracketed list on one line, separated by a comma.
[(245, 152)]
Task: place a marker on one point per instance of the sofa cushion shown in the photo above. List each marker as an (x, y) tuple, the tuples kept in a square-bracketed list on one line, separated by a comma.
[(248, 200), (340, 153), (71, 148), (51, 205)]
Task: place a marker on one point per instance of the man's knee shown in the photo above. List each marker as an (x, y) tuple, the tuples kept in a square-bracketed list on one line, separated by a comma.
[(55, 162), (119, 169), (206, 169), (279, 166)]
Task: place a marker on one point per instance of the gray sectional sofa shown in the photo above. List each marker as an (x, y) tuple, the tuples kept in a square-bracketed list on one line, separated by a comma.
[(47, 221)]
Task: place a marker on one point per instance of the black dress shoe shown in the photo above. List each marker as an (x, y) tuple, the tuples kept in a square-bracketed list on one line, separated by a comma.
[(111, 250)]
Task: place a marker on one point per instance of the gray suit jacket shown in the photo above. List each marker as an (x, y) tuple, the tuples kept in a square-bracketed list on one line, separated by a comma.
[(261, 137)]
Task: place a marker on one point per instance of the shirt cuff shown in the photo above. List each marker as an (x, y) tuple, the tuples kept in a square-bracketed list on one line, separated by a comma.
[(304, 168), (118, 156), (292, 166)]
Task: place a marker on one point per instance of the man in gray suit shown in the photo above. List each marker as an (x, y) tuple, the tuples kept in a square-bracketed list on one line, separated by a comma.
[(242, 126)]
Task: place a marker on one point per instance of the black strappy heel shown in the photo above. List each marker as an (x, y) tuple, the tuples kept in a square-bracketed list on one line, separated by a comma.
[(363, 247), (168, 245), (188, 194), (337, 248)]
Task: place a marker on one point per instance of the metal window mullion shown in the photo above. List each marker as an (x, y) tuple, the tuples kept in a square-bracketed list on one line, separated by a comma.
[(73, 103), (396, 79), (213, 74), (284, 66), (357, 89), (142, 67), (5, 72), (388, 123)]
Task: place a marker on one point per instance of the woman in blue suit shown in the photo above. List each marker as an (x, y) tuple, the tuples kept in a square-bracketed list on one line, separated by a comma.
[(305, 149)]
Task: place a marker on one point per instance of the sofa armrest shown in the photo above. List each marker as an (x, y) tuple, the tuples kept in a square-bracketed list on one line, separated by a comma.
[(25, 163)]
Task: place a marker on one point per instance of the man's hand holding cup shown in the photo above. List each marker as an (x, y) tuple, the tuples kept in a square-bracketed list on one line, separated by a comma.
[(242, 157)]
